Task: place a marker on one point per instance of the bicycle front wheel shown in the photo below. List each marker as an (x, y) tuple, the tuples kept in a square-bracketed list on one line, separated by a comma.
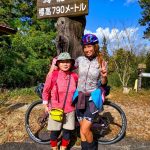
[(112, 124), (36, 124)]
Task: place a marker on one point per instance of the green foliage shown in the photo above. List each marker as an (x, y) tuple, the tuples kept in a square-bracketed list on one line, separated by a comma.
[(146, 81), (27, 60), (119, 73), (147, 62), (145, 20), (123, 64), (22, 91), (25, 57), (113, 80)]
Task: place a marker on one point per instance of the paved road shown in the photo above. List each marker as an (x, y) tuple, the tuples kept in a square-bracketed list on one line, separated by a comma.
[(125, 144)]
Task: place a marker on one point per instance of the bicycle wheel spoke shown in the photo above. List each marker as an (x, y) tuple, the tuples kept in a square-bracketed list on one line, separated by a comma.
[(111, 125), (36, 125), (115, 122)]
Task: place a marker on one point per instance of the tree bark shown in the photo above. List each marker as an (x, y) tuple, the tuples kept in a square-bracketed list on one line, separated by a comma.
[(69, 34)]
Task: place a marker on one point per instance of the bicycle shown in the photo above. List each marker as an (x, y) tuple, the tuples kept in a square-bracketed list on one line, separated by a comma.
[(109, 126)]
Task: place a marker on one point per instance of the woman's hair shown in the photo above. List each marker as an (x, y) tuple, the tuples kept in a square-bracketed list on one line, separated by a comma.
[(98, 54)]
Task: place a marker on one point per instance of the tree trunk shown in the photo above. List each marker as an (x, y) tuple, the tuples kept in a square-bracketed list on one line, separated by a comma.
[(70, 31), (126, 90)]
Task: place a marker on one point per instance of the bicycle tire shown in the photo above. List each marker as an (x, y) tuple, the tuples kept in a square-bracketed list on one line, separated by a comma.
[(118, 137), (34, 135), (116, 110)]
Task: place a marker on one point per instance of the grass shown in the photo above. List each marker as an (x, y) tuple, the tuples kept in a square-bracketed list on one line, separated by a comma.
[(22, 95)]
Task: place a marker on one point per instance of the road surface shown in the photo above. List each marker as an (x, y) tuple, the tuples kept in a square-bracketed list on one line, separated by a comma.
[(125, 144)]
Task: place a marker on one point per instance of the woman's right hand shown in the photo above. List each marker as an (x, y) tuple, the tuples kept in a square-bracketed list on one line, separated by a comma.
[(104, 69)]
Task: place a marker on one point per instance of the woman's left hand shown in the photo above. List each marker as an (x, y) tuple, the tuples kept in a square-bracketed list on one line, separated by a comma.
[(53, 66)]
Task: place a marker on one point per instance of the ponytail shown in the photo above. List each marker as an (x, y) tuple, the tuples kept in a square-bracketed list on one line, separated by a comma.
[(98, 54)]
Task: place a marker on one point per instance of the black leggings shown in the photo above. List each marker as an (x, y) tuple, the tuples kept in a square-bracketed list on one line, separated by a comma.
[(54, 134)]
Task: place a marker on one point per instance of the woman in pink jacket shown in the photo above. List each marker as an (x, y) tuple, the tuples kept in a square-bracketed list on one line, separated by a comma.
[(54, 96)]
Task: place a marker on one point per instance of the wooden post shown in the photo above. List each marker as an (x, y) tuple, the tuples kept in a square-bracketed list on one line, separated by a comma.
[(139, 82), (136, 85), (141, 68)]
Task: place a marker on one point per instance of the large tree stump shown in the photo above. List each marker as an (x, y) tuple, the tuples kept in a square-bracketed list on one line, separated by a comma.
[(69, 33)]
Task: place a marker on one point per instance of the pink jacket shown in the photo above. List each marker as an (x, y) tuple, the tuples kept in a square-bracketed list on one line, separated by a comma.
[(55, 97)]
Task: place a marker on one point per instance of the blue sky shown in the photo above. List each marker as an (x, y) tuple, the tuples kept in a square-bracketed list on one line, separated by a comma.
[(106, 13), (107, 17)]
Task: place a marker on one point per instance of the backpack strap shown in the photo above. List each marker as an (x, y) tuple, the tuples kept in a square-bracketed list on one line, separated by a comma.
[(54, 78), (75, 76)]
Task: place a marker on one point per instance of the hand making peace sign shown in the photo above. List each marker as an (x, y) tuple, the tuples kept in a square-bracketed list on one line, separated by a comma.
[(104, 69)]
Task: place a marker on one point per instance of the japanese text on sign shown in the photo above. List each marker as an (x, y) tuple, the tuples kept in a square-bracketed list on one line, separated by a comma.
[(47, 8)]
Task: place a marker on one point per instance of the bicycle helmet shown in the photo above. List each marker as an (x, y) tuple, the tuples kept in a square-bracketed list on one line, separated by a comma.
[(89, 39)]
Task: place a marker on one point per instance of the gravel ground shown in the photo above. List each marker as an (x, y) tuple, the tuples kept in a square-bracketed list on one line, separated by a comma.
[(135, 105)]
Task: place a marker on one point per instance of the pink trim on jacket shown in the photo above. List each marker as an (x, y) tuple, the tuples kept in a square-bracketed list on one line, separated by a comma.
[(56, 95)]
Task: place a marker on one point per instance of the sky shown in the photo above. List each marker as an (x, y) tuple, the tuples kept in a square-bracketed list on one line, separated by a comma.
[(116, 17)]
